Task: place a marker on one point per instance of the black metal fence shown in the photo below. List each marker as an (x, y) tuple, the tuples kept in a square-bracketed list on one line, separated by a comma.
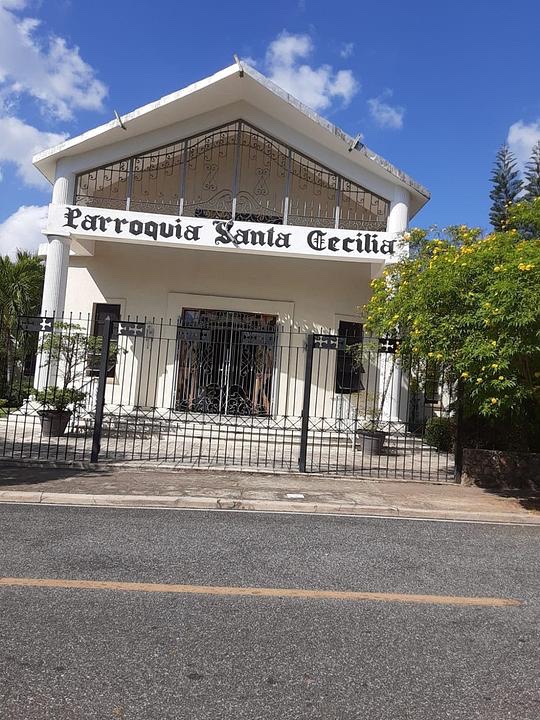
[(223, 389)]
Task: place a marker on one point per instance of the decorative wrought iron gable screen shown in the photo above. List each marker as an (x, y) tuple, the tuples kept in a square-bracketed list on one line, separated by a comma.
[(233, 171)]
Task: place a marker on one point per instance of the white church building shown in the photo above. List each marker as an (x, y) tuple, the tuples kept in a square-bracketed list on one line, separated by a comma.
[(224, 218)]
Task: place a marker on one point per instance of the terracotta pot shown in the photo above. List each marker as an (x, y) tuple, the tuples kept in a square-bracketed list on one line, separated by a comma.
[(54, 422), (370, 442)]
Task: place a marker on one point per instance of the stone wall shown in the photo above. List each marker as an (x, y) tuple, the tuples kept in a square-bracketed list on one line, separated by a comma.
[(501, 470)]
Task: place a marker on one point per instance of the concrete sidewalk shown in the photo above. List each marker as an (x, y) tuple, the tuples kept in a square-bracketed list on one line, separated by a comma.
[(205, 489)]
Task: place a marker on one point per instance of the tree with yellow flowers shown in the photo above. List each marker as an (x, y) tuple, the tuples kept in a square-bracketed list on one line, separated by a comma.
[(472, 304)]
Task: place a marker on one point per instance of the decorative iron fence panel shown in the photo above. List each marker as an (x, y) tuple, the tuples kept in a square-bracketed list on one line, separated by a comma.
[(223, 389)]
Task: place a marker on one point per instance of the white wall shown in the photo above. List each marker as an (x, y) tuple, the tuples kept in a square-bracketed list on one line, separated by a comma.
[(145, 276), (154, 282)]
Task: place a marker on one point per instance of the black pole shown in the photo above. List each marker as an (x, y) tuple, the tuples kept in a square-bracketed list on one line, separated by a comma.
[(302, 459), (458, 449), (102, 383)]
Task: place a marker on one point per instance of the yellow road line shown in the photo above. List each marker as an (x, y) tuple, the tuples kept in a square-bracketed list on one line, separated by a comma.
[(257, 592)]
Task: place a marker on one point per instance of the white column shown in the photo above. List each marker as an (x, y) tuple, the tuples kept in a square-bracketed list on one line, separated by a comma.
[(388, 364), (56, 270), (399, 211), (57, 261), (56, 273)]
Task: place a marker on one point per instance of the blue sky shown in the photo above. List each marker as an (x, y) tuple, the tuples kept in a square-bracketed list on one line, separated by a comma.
[(435, 87)]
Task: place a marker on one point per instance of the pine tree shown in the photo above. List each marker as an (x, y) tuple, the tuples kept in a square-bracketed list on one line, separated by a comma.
[(532, 174), (506, 187)]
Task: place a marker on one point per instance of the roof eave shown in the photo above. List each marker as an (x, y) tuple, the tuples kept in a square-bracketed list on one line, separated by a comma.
[(45, 161)]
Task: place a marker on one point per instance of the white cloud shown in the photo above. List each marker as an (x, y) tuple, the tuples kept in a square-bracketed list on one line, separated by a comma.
[(13, 4), (46, 69), (18, 142), (521, 138), (22, 230), (317, 87), (384, 114), (249, 60), (347, 50)]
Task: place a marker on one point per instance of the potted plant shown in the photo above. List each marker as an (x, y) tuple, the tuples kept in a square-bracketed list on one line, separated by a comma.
[(58, 404), (370, 435), (372, 430), (65, 353)]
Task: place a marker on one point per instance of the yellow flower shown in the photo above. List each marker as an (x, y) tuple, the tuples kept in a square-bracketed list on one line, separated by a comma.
[(501, 377), (438, 356), (430, 354), (494, 366), (465, 375), (479, 380), (493, 342), (494, 401), (497, 268)]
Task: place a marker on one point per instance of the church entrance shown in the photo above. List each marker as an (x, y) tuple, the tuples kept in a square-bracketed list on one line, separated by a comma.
[(226, 362)]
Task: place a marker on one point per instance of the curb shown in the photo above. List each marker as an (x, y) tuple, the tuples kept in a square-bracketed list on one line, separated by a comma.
[(193, 502)]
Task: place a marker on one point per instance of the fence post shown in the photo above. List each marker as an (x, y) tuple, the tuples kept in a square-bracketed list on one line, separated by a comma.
[(102, 384), (458, 450), (302, 459)]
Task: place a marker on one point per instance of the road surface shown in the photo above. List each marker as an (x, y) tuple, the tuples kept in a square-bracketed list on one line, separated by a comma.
[(158, 614)]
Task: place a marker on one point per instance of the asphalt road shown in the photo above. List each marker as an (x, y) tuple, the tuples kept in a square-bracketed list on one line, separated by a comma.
[(91, 653)]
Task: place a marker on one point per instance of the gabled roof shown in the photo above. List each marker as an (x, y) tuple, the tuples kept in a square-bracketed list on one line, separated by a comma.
[(234, 83)]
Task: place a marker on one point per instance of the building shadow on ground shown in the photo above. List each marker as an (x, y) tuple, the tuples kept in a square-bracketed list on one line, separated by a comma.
[(12, 476)]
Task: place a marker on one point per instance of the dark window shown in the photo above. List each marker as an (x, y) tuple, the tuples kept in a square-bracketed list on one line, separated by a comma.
[(103, 311), (348, 370), (432, 385)]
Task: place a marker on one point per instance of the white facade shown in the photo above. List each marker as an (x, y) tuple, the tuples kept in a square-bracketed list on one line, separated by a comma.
[(311, 280)]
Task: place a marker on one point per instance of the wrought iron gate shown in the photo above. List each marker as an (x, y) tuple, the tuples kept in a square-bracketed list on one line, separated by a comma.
[(224, 389), (225, 362)]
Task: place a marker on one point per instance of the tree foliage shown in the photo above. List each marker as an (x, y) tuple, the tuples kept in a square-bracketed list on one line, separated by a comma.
[(472, 305), (532, 175), (506, 186), (21, 286)]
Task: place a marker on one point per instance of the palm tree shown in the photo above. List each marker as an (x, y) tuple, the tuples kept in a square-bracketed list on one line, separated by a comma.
[(21, 286)]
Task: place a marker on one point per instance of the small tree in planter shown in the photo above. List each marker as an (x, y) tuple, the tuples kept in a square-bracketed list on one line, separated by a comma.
[(371, 430), (67, 352), (58, 405)]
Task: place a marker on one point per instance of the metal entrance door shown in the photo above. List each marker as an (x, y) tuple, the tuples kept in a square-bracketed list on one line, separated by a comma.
[(226, 362)]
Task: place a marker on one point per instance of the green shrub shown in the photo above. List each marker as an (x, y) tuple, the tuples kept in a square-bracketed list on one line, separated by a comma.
[(440, 433), (57, 398)]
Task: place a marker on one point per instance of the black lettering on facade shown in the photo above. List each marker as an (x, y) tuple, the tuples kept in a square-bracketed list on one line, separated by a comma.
[(135, 227), (223, 237), (166, 230), (103, 223), (283, 240), (89, 222), (333, 244), (192, 232), (118, 222), (387, 247), (315, 240), (71, 215), (151, 229)]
